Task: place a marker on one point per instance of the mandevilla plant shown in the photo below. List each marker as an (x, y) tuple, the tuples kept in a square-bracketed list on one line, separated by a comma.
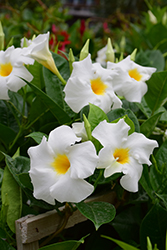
[(71, 128)]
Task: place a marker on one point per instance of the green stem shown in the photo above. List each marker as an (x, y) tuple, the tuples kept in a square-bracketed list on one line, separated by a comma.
[(98, 178), (16, 138)]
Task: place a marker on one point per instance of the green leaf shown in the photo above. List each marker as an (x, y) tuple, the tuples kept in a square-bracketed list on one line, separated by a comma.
[(98, 212), (163, 197), (144, 108), (36, 71), (11, 198), (56, 110), (148, 126), (145, 182), (151, 58), (25, 180), (37, 136), (17, 166), (156, 95), (154, 226), (5, 246), (158, 171), (119, 113), (124, 245), (65, 245), (96, 115), (7, 135)]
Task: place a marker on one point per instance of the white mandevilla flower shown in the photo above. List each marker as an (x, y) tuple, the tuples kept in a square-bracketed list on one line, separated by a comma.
[(90, 83), (122, 153), (131, 78), (79, 130), (39, 51), (59, 167), (12, 69)]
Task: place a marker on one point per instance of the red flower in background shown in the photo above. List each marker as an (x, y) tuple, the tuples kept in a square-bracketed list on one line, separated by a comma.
[(58, 38), (82, 27)]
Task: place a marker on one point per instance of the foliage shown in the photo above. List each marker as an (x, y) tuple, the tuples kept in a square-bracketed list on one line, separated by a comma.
[(136, 219)]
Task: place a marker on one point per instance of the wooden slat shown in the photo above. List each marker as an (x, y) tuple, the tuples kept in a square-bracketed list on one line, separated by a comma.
[(30, 229)]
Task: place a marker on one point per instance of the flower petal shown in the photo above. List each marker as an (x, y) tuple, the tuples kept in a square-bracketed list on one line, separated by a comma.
[(3, 89), (67, 189), (133, 172), (140, 147), (83, 68), (41, 156), (83, 160), (14, 82), (79, 130), (78, 94), (42, 181), (61, 138), (111, 133)]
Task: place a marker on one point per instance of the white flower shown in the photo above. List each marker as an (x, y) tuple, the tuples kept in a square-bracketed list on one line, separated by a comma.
[(12, 69), (101, 56), (131, 78), (59, 167), (79, 130), (90, 83), (39, 51), (122, 153)]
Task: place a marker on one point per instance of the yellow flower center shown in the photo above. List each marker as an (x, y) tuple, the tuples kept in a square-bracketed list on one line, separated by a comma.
[(134, 73), (98, 86), (61, 164), (121, 155), (5, 69)]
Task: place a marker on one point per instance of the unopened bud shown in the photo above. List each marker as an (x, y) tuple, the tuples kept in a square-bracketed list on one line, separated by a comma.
[(133, 55), (84, 51), (71, 59), (110, 55), (152, 18), (2, 37)]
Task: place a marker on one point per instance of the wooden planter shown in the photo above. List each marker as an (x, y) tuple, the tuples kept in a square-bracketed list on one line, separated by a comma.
[(30, 229)]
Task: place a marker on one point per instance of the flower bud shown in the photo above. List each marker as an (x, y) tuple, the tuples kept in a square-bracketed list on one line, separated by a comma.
[(152, 18), (2, 35), (84, 51), (87, 127), (110, 55), (133, 55), (71, 60)]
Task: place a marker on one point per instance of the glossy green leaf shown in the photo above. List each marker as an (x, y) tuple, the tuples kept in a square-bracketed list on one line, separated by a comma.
[(11, 198), (37, 136), (54, 87), (154, 227), (17, 166), (118, 113), (156, 95), (5, 246), (25, 180), (96, 115), (7, 135), (57, 111), (122, 244), (37, 72), (65, 245), (98, 212), (158, 171), (145, 182), (151, 58), (148, 126)]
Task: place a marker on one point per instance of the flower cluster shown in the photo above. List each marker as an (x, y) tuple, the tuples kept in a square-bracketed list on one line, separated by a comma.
[(66, 163), (60, 167)]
